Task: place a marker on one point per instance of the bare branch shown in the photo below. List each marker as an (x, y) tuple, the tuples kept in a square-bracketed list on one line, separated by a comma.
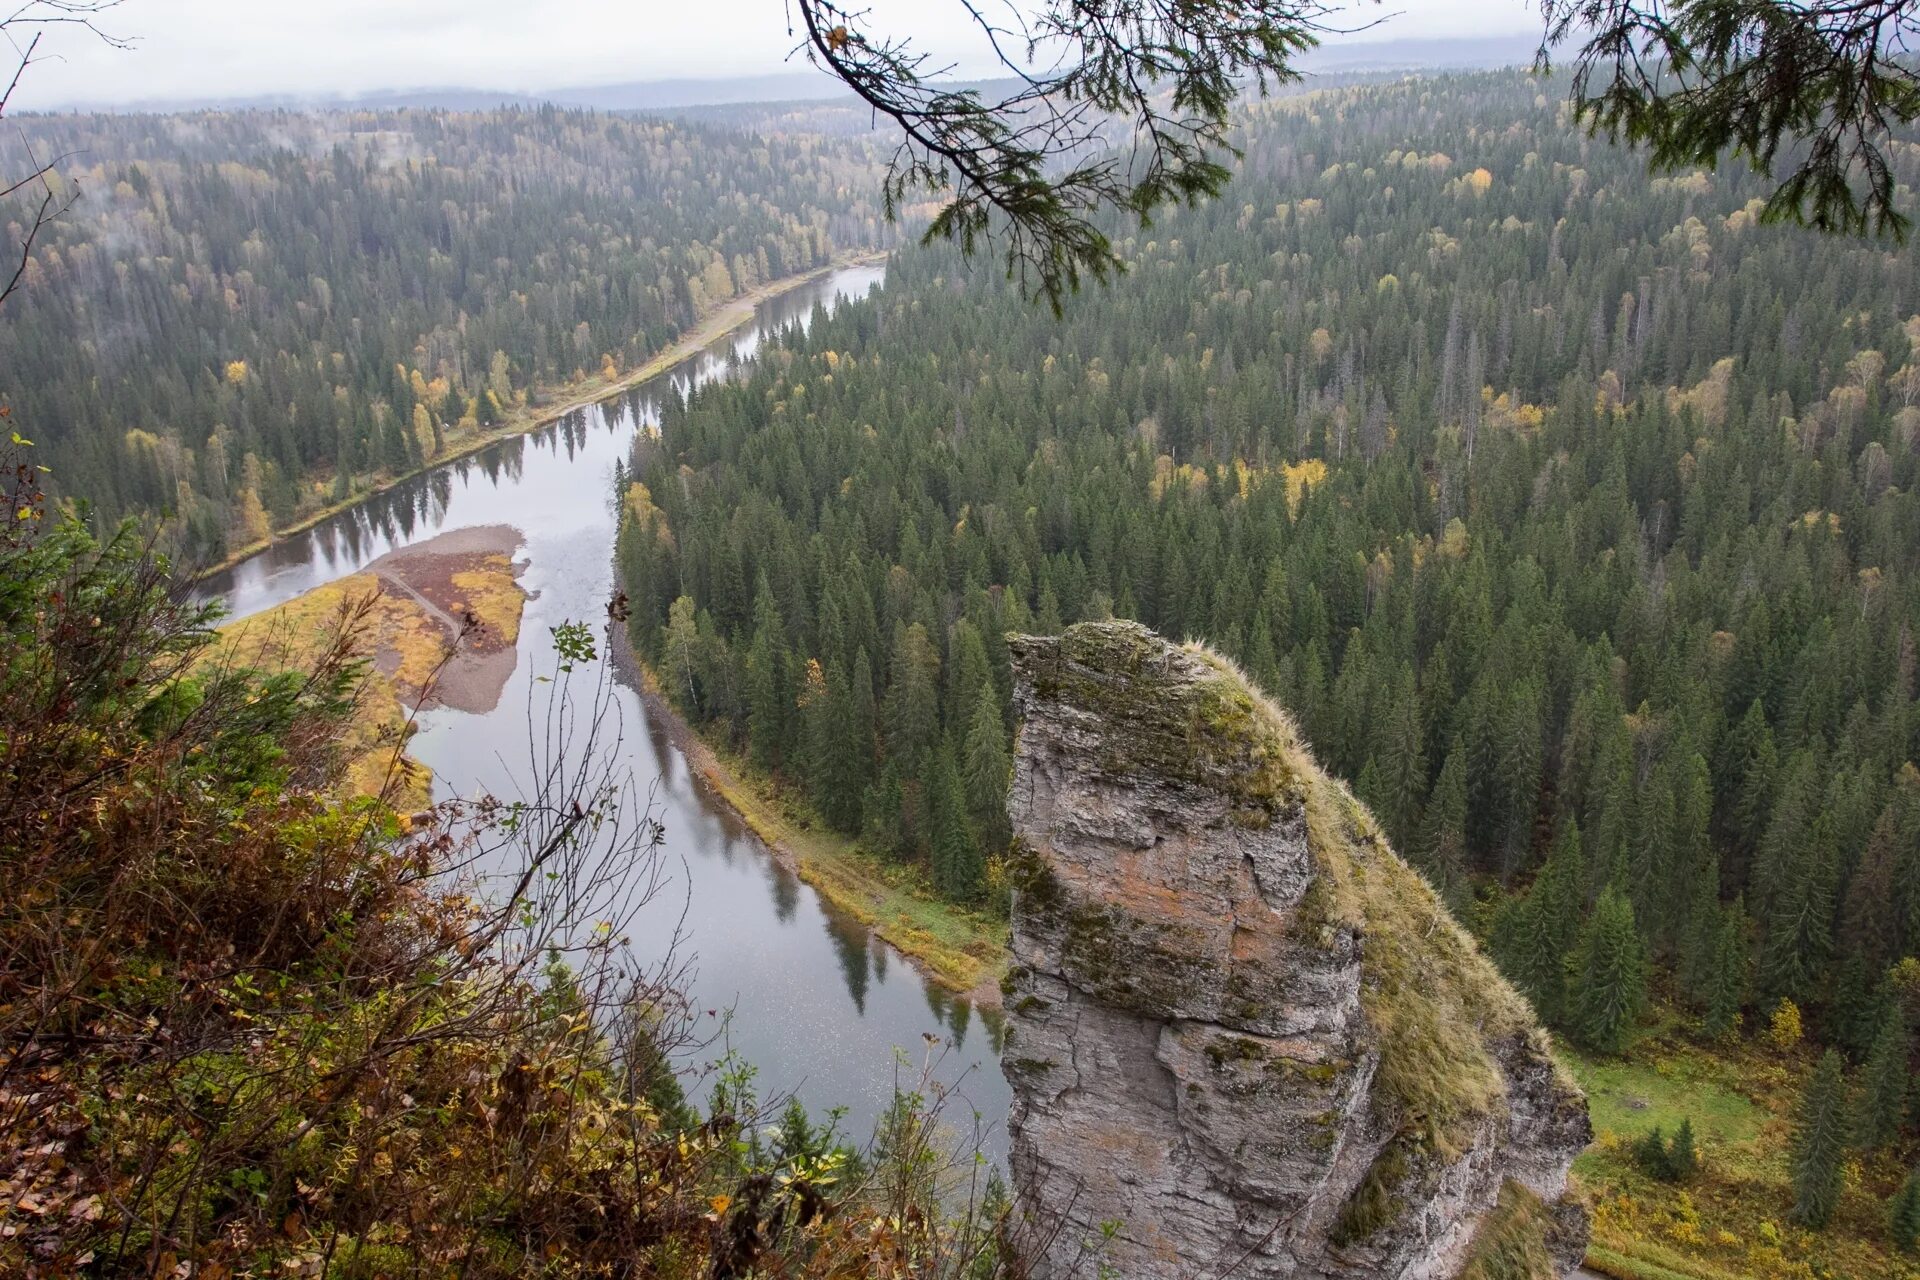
[(32, 19)]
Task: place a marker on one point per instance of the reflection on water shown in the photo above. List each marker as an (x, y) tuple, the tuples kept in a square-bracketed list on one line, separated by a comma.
[(818, 1005)]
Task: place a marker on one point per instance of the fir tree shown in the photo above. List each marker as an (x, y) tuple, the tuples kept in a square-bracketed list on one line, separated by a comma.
[(1884, 1082), (1819, 1144), (1609, 975), (987, 770), (1903, 1215), (1726, 992)]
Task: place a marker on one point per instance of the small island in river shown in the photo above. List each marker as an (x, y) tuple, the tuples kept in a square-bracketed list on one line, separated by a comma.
[(438, 623)]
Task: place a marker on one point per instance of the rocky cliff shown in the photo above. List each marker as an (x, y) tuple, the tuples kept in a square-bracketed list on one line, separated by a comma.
[(1245, 1038)]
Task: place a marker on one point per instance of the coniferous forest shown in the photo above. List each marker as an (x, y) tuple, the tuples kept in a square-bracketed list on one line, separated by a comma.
[(248, 316), (1571, 512)]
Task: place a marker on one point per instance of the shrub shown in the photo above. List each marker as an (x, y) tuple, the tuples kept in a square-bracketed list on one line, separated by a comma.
[(1673, 1159), (1784, 1029)]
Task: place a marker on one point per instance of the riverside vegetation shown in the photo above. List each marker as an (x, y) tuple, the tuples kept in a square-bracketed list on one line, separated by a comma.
[(1570, 511)]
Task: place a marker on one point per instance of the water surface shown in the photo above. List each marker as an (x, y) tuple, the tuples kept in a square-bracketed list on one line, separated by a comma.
[(820, 1007)]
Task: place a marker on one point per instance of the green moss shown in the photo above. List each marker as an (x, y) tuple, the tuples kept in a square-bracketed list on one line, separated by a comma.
[(1237, 1049), (357, 1260), (1212, 731), (1032, 879)]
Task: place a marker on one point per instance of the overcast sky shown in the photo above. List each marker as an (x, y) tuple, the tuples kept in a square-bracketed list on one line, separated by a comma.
[(239, 48)]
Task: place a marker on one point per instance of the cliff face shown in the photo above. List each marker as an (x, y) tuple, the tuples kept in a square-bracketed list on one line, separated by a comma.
[(1240, 1027)]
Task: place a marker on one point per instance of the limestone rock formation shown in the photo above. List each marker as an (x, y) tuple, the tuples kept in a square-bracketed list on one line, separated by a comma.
[(1245, 1038)]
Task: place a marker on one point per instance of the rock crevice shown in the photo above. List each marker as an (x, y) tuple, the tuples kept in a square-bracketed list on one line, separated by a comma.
[(1240, 1027)]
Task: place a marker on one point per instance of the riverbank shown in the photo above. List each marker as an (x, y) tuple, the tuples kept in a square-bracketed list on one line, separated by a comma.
[(524, 419), (964, 951), (438, 623)]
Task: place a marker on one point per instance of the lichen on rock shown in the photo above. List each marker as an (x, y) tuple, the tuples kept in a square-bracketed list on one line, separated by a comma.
[(1241, 1028)]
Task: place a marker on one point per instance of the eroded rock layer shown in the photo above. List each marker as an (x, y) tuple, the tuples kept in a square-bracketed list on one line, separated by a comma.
[(1245, 1038)]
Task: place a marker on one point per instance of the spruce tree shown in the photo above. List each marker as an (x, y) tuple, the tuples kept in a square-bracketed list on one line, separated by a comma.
[(1609, 975), (1884, 1082), (1545, 926), (987, 771), (1442, 851), (1799, 919), (1683, 1157), (1654, 1154), (769, 689), (857, 727), (1402, 762), (1528, 957), (1819, 1144), (913, 699), (1903, 1215), (1726, 991), (820, 718), (957, 866), (849, 755)]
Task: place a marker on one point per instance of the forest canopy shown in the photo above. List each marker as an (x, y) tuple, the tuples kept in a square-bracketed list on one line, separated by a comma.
[(1569, 509)]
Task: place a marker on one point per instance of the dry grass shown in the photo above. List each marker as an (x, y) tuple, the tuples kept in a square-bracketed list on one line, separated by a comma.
[(1511, 1243), (285, 638), (491, 595)]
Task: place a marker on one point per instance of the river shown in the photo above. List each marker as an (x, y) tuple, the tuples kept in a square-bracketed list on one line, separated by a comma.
[(820, 1007)]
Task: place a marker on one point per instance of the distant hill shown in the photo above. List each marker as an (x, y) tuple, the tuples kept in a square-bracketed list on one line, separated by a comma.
[(806, 84), (634, 95), (1514, 48)]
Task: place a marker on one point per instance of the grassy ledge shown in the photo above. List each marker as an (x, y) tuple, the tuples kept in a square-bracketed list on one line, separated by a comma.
[(520, 420), (964, 951)]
